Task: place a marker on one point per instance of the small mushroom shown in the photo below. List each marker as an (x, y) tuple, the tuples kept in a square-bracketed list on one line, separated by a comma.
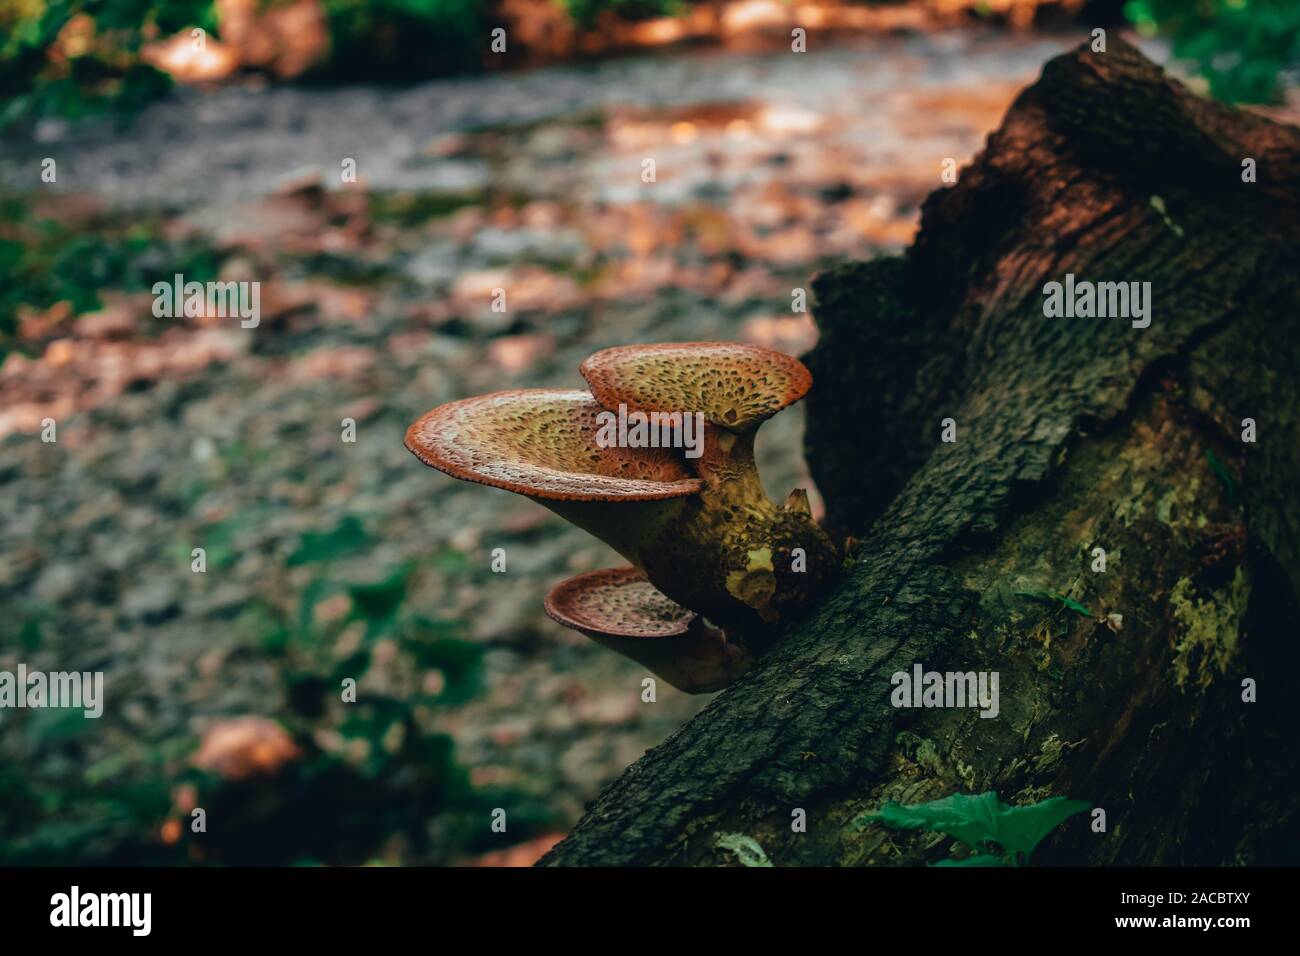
[(619, 608), (772, 560)]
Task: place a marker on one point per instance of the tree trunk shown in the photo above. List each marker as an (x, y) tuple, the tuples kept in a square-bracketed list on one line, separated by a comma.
[(1072, 434)]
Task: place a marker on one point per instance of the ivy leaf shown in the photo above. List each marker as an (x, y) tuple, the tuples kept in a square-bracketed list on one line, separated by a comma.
[(971, 819), (977, 819), (1023, 828)]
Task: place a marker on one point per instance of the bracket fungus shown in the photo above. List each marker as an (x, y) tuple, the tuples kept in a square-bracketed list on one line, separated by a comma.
[(755, 564), (700, 530), (541, 443), (619, 608)]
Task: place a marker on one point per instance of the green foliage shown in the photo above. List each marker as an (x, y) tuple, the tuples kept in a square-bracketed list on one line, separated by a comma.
[(1239, 46), (585, 12), (392, 780), (372, 38), (978, 821), (379, 602), (1049, 597), (107, 814), (404, 39), (451, 561), (104, 75), (29, 635), (437, 645), (405, 779), (981, 860), (369, 39), (346, 537), (411, 209), (44, 261)]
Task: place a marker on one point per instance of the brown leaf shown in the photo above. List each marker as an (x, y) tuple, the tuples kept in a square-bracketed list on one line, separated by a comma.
[(242, 747)]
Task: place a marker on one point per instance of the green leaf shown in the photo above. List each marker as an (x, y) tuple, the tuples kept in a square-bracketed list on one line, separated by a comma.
[(379, 602), (746, 848), (983, 859), (450, 561), (29, 635), (976, 819), (1061, 599), (1023, 828), (354, 665), (971, 819), (461, 662), (347, 537)]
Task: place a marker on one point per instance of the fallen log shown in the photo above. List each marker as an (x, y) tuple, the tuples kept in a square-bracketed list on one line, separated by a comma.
[(1099, 511)]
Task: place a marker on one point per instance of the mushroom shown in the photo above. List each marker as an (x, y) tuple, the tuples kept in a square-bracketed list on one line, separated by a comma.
[(541, 443), (619, 608), (701, 532), (751, 544), (736, 386)]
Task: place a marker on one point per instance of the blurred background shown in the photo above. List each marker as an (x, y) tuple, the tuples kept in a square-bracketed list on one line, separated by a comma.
[(228, 154)]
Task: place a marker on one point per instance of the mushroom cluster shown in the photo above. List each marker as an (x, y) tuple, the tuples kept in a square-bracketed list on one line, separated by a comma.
[(717, 568)]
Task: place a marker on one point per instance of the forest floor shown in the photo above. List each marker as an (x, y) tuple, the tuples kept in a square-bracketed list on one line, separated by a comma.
[(329, 559)]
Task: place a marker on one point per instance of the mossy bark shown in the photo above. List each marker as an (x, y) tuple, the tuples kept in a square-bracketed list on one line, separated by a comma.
[(1072, 434)]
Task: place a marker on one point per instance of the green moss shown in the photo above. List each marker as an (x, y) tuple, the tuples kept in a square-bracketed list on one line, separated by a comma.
[(1239, 46), (409, 209), (46, 261), (1210, 629)]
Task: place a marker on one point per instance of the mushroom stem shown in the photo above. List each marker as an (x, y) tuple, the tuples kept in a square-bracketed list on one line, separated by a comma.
[(624, 526), (728, 459), (698, 662), (731, 553)]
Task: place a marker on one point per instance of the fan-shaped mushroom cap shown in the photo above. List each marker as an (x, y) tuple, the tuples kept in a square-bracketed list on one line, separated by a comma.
[(620, 609), (542, 443), (616, 602), (734, 384)]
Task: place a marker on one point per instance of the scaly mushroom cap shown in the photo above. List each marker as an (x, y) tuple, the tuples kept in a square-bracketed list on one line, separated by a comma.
[(616, 602), (735, 385), (542, 443), (620, 609)]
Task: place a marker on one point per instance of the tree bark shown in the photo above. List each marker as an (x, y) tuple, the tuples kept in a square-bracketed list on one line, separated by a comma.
[(1071, 434)]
